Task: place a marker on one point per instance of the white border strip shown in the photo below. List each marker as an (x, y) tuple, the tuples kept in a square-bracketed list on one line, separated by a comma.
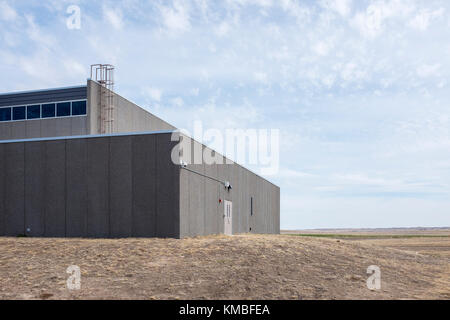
[(41, 90), (88, 136)]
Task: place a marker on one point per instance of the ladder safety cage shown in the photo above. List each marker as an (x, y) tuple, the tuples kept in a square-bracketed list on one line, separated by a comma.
[(103, 74)]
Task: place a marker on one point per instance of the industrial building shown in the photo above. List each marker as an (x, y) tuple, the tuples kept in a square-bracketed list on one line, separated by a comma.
[(85, 162)]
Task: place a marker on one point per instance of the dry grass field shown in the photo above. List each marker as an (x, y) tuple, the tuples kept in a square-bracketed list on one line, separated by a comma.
[(220, 267)]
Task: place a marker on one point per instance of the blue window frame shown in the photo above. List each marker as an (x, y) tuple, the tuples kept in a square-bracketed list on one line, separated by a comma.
[(63, 109), (48, 110), (5, 114), (19, 113), (78, 108), (34, 112)]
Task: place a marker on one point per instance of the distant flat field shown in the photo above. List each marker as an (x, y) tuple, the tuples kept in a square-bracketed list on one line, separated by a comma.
[(429, 241), (221, 267), (375, 232)]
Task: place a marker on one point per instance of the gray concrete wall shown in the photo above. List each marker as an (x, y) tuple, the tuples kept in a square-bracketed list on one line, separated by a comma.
[(200, 210), (119, 186), (110, 186), (42, 128), (128, 117)]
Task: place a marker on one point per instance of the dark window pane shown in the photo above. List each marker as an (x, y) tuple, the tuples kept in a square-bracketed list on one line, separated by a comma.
[(33, 112), (63, 109), (19, 113), (78, 108), (48, 110), (5, 114)]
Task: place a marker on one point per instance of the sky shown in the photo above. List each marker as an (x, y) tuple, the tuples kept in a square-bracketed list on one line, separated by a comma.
[(360, 90)]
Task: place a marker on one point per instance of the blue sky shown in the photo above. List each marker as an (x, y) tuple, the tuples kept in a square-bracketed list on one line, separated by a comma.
[(359, 89)]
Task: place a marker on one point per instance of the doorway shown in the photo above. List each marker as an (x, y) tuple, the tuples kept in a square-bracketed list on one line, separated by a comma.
[(228, 218)]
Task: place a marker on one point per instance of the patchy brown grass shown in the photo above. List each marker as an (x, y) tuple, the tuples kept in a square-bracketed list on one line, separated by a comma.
[(437, 247), (220, 267)]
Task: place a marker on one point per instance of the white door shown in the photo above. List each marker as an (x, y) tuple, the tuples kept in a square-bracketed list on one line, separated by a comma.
[(227, 218)]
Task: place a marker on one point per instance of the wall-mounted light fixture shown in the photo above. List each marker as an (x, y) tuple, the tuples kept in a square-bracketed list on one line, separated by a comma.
[(228, 185)]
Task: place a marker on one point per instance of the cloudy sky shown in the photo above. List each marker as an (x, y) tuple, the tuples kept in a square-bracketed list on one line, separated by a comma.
[(360, 90)]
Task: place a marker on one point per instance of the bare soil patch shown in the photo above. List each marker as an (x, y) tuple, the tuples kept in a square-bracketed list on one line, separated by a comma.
[(220, 267)]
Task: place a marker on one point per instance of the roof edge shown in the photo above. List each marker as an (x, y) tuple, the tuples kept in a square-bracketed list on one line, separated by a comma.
[(88, 136), (42, 90)]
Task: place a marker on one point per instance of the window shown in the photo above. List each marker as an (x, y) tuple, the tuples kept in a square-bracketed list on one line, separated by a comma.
[(48, 110), (5, 114), (33, 112), (19, 113), (43, 111), (78, 108), (63, 109), (251, 207)]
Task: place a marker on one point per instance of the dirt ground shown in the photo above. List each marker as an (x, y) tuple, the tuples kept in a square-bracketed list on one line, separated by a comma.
[(220, 267)]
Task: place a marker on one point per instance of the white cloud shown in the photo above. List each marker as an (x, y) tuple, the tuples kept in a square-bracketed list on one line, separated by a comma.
[(212, 48), (371, 22), (294, 174), (259, 3), (329, 80), (426, 70), (302, 13), (343, 7), (195, 92), (154, 93), (442, 84), (352, 72), (223, 28), (7, 13), (322, 48), (261, 77), (35, 33), (307, 212), (114, 17), (423, 19), (177, 102), (385, 185), (75, 67), (9, 39), (176, 18)]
